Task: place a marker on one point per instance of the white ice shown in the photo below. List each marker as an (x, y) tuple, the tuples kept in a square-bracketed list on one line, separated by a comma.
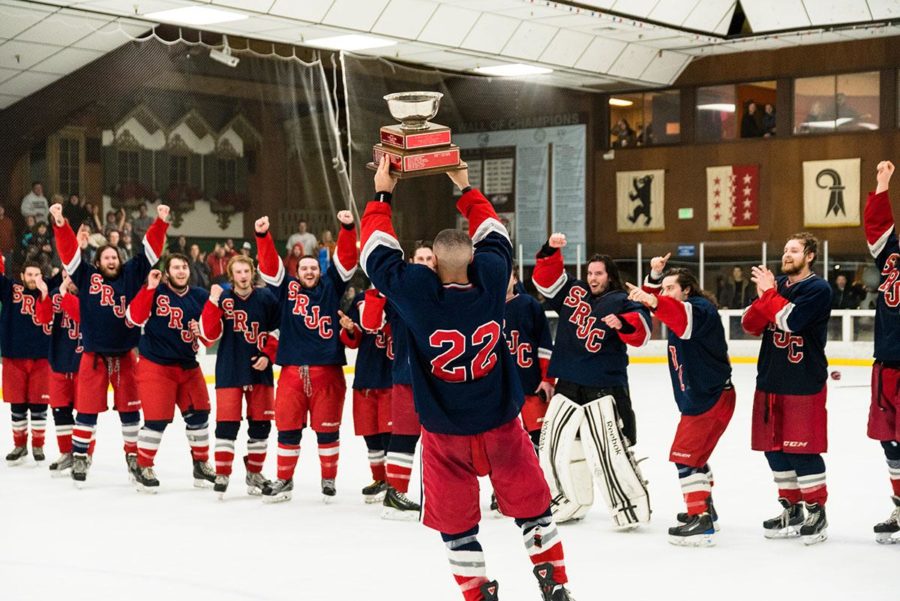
[(110, 542)]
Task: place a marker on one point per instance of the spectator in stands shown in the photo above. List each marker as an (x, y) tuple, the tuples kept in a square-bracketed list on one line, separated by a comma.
[(292, 259), (199, 269), (325, 250), (751, 126), (844, 296), (246, 248), (141, 223), (230, 250), (180, 246), (305, 238), (114, 238), (768, 121), (39, 246), (34, 204), (7, 235), (74, 212), (736, 291), (347, 299), (127, 244), (115, 220), (30, 222), (218, 263), (623, 133)]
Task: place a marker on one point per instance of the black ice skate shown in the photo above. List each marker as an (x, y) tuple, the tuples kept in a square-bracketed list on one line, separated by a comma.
[(489, 590), (786, 525), (80, 464), (278, 491), (17, 456), (133, 468), (815, 527), (145, 480), (698, 531), (61, 466), (220, 486), (38, 454), (684, 517), (374, 492), (204, 475), (550, 588), (495, 507), (886, 532), (328, 490), (397, 506), (255, 481)]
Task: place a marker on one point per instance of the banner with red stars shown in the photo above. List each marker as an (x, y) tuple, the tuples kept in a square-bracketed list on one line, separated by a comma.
[(732, 197)]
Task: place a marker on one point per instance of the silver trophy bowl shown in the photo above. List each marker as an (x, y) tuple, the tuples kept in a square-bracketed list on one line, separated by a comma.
[(414, 109)]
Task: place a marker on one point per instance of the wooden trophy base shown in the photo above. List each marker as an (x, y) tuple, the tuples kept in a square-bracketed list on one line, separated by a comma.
[(411, 174)]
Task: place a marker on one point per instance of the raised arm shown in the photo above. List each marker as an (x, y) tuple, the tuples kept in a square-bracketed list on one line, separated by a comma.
[(878, 218), (346, 254), (271, 267), (140, 307), (381, 257), (549, 274), (211, 317)]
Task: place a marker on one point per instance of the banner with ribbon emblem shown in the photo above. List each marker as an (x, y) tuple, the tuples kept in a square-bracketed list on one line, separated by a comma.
[(831, 193)]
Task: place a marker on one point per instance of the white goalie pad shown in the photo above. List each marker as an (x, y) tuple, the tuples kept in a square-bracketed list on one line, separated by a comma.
[(562, 459), (612, 464)]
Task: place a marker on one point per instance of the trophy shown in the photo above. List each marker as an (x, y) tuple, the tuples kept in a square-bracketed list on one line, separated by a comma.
[(416, 147)]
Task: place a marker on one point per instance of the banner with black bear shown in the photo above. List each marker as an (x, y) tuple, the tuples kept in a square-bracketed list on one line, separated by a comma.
[(831, 193), (640, 200)]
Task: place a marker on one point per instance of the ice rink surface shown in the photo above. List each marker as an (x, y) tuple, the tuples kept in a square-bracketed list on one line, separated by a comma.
[(110, 542)]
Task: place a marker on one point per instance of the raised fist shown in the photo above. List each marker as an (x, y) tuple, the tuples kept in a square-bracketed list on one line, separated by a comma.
[(215, 292), (345, 217), (65, 284), (56, 213), (162, 211), (557, 240), (154, 278), (460, 177), (884, 170), (83, 236), (658, 264), (41, 285), (384, 180), (262, 224)]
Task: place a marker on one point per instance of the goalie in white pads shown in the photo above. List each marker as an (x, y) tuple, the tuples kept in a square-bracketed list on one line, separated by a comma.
[(590, 428)]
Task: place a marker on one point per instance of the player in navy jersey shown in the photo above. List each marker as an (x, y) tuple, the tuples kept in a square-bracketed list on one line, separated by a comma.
[(789, 416), (884, 410), (168, 374), (311, 384), (245, 320), (23, 344), (60, 310), (371, 389), (104, 291), (466, 388), (701, 380)]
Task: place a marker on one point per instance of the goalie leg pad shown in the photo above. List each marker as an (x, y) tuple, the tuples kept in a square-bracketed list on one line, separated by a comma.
[(562, 459), (613, 465)]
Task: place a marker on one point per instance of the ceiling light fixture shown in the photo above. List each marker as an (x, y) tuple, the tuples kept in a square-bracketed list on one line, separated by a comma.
[(196, 15), (513, 70), (620, 102), (350, 42), (722, 107)]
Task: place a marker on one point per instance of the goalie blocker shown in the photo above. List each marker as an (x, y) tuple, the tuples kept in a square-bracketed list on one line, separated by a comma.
[(582, 446)]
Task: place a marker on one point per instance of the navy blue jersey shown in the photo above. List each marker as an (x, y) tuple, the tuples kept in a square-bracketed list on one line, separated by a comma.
[(793, 321), (22, 336), (400, 372), (527, 334), (247, 328), (309, 319), (65, 336), (464, 379), (374, 355), (165, 316), (882, 238)]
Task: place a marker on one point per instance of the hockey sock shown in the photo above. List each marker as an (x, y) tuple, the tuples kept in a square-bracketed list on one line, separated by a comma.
[(376, 455), (148, 441), (329, 453), (38, 423), (83, 433), (19, 418), (131, 425), (892, 454), (63, 420), (695, 487), (706, 469), (810, 470), (785, 476), (466, 562), (543, 543), (197, 431), (399, 461), (226, 434), (288, 452), (258, 434)]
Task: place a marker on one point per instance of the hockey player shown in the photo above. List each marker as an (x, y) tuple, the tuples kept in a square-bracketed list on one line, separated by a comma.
[(884, 412), (104, 291), (168, 374), (371, 390), (245, 319), (60, 310), (596, 322), (24, 342), (789, 416), (466, 389), (311, 384), (701, 379)]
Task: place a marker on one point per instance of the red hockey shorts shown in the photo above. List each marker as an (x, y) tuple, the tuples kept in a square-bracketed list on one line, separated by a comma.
[(697, 435), (260, 403), (96, 373), (533, 412), (793, 423), (451, 466), (883, 422), (163, 387), (25, 381), (371, 411), (62, 389), (404, 419), (317, 390)]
